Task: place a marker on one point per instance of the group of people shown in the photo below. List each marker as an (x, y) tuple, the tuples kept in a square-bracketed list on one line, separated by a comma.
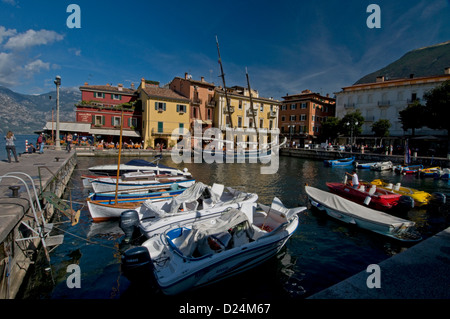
[(30, 148)]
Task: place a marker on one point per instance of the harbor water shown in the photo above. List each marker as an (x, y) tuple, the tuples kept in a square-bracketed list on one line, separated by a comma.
[(321, 253)]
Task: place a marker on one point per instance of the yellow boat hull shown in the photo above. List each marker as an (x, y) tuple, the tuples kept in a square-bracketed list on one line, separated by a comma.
[(420, 197)]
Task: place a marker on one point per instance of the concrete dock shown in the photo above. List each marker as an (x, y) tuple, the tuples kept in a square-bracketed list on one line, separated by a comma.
[(420, 272), (50, 172)]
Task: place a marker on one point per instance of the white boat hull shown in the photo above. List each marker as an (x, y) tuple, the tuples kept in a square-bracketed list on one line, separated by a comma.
[(103, 185)]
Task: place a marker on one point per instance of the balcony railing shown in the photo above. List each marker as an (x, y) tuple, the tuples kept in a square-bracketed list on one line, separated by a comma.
[(384, 103), (225, 109), (349, 105), (271, 114), (196, 101)]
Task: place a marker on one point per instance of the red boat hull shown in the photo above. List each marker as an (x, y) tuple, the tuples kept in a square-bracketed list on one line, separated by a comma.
[(380, 200)]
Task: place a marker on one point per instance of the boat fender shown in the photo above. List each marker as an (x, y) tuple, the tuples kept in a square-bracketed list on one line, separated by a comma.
[(367, 200), (406, 201), (439, 198), (397, 187), (136, 263), (129, 222)]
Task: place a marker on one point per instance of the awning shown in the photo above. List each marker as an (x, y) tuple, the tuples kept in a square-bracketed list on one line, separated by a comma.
[(128, 133), (68, 127), (74, 127)]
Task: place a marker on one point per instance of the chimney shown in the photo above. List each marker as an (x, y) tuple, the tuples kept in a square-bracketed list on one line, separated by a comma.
[(411, 76), (380, 79), (132, 86), (143, 83), (107, 84), (86, 84), (328, 95), (186, 76), (202, 79), (447, 70), (120, 87)]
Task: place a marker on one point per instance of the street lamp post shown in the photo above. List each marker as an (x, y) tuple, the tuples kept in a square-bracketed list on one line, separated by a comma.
[(351, 133), (57, 141)]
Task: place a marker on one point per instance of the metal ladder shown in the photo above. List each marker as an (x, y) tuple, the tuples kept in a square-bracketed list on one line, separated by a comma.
[(41, 230)]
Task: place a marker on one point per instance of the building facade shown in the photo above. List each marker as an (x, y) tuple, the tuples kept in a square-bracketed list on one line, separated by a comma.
[(384, 99), (301, 116), (164, 112), (102, 106), (263, 120)]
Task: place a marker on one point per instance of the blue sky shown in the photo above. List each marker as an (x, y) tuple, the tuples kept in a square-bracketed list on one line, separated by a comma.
[(287, 46)]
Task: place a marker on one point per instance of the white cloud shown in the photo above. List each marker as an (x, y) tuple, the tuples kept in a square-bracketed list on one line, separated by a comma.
[(32, 38), (4, 33), (36, 66)]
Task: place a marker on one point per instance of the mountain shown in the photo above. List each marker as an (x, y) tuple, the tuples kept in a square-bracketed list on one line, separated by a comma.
[(25, 114), (426, 61)]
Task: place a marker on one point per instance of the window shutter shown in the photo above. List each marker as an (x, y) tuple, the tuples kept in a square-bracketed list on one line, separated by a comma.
[(93, 119), (178, 108), (156, 106), (103, 120), (164, 106)]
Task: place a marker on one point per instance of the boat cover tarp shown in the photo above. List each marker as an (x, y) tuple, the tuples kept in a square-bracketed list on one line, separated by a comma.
[(278, 208), (141, 162), (350, 208), (200, 232)]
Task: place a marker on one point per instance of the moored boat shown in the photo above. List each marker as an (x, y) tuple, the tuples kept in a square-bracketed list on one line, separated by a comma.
[(206, 252), (340, 162), (420, 197), (382, 166), (352, 213), (137, 165), (364, 165), (429, 171), (366, 194), (410, 169)]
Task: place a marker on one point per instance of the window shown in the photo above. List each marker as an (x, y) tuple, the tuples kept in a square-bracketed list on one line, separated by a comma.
[(116, 97), (98, 120), (99, 95), (303, 105), (293, 106), (239, 121), (292, 118), (284, 107), (160, 106), (283, 118), (240, 105), (181, 108), (115, 121), (262, 108), (303, 117), (160, 127), (270, 124), (261, 123), (313, 118), (181, 128), (208, 114), (133, 122)]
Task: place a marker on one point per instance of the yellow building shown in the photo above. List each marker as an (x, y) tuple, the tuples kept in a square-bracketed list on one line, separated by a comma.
[(245, 123), (164, 112)]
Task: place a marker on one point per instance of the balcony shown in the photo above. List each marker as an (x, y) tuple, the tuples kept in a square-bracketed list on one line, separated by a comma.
[(386, 103), (211, 103), (271, 114), (196, 101), (225, 109), (349, 105)]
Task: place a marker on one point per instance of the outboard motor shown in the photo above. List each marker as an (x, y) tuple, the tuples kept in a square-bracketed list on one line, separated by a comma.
[(129, 221), (137, 264), (438, 199), (406, 201)]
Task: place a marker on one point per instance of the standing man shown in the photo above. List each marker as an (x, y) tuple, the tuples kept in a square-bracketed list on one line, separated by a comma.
[(41, 143), (69, 140)]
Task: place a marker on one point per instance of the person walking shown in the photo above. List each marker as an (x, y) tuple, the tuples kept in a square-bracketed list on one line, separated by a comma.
[(40, 143), (10, 146), (69, 140)]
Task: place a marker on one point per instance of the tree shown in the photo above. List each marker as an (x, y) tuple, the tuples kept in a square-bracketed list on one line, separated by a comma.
[(330, 128), (381, 128), (413, 117), (438, 109), (351, 124)]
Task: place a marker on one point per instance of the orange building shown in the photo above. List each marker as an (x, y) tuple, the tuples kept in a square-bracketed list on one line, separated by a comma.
[(301, 115)]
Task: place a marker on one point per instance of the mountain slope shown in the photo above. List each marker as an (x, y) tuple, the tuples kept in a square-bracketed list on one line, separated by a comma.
[(426, 61), (24, 114)]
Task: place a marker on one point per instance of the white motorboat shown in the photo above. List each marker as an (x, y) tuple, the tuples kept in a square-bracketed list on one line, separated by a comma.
[(352, 213), (137, 165), (382, 166), (199, 202), (189, 257), (108, 184)]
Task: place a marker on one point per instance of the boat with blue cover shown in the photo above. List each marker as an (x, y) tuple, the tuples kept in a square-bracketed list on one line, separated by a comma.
[(340, 162)]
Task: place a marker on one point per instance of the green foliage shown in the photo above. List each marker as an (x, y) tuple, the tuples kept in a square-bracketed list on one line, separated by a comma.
[(413, 117), (331, 128), (348, 122), (438, 107), (381, 128)]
